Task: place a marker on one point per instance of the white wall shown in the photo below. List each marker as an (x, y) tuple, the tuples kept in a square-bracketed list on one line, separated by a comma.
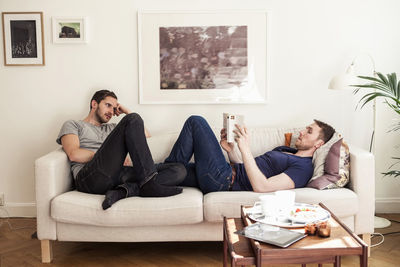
[(310, 41)]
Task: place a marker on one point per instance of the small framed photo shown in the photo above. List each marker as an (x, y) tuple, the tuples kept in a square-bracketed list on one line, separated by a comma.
[(69, 30), (23, 38)]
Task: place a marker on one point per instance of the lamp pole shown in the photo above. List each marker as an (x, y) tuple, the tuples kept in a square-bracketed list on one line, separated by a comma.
[(343, 81)]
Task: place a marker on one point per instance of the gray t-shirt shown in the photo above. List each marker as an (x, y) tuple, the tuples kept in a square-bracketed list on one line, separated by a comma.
[(91, 137)]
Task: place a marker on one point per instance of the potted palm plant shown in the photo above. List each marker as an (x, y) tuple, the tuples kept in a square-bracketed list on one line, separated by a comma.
[(388, 89)]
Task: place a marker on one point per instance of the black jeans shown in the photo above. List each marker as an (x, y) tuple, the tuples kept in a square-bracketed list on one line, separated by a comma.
[(106, 171)]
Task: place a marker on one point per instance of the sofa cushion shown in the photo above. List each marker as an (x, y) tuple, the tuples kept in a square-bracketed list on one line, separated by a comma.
[(331, 162), (82, 208), (336, 171), (326, 159), (342, 201), (161, 145)]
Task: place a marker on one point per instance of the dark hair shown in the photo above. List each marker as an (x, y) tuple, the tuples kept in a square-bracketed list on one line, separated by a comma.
[(327, 131), (100, 95)]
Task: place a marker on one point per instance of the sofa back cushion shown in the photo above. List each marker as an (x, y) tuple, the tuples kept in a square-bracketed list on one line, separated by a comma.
[(262, 140), (161, 145)]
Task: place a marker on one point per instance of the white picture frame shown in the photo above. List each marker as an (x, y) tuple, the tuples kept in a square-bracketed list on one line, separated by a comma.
[(23, 40), (221, 81), (70, 30)]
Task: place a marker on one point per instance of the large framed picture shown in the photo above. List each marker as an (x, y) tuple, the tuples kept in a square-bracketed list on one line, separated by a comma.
[(203, 57), (23, 38), (70, 30)]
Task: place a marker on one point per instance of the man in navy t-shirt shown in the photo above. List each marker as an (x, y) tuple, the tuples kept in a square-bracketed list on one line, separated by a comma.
[(279, 169)]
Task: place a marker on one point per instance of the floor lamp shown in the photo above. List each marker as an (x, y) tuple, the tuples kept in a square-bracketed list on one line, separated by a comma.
[(344, 82)]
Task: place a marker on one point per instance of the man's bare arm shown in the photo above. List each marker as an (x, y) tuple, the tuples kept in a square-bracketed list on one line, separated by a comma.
[(258, 180), (70, 144), (147, 133), (233, 157)]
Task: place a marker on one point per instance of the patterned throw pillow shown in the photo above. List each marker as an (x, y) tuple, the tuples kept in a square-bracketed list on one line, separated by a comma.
[(331, 163)]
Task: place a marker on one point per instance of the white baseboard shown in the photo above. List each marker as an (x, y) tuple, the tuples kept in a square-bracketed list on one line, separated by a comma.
[(14, 209), (387, 205)]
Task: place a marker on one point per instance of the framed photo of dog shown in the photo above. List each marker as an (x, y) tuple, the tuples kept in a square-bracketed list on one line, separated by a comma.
[(202, 57)]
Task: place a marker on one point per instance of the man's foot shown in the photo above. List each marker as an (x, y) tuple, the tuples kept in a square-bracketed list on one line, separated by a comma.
[(153, 189), (113, 196)]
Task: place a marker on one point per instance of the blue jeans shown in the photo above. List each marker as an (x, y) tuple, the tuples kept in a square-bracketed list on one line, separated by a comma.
[(210, 171)]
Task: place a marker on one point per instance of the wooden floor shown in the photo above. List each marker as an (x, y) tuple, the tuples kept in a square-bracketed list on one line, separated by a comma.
[(17, 248)]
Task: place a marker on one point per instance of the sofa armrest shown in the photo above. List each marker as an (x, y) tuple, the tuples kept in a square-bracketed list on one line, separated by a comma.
[(362, 182), (52, 178)]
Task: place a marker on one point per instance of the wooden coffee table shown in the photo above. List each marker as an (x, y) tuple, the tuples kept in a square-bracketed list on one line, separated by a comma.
[(312, 249)]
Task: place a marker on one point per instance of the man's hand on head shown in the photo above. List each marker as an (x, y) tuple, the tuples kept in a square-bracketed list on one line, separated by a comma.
[(121, 109)]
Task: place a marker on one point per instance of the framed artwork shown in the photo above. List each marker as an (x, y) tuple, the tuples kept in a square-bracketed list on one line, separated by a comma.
[(202, 57), (23, 38), (69, 30)]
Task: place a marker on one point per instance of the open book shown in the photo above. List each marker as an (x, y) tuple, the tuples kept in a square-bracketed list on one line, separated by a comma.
[(229, 124)]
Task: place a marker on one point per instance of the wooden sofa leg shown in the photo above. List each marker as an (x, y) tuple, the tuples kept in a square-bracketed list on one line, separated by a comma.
[(367, 239), (47, 252)]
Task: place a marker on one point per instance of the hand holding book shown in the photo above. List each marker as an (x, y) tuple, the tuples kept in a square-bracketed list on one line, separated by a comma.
[(228, 147), (229, 122)]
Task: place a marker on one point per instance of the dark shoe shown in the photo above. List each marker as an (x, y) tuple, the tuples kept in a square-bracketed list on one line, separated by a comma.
[(153, 189), (113, 196)]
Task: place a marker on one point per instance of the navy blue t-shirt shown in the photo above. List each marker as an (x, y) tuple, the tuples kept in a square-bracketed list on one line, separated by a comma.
[(299, 169)]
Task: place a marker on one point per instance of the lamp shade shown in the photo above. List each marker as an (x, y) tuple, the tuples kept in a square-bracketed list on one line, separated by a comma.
[(343, 81)]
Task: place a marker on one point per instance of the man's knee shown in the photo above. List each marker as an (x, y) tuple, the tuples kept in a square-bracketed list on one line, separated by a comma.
[(133, 117), (196, 119)]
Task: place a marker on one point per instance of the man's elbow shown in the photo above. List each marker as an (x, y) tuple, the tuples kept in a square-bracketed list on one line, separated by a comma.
[(71, 156), (261, 189), (257, 190)]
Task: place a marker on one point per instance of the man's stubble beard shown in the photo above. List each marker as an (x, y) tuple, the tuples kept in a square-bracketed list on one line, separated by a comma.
[(99, 117)]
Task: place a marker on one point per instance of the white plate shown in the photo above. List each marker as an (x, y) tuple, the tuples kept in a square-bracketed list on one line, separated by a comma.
[(255, 214), (306, 213)]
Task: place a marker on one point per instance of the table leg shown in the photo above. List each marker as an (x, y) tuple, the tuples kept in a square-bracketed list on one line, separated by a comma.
[(319, 264), (337, 261), (258, 258), (303, 265), (364, 257), (225, 249)]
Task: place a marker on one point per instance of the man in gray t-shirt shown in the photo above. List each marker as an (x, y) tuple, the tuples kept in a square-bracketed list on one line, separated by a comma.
[(98, 153), (91, 137)]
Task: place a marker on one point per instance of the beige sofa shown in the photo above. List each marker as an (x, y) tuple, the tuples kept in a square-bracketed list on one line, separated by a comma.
[(66, 215)]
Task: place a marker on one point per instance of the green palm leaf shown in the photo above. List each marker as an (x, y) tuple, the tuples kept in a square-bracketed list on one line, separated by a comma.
[(391, 173), (369, 78), (386, 88), (383, 78)]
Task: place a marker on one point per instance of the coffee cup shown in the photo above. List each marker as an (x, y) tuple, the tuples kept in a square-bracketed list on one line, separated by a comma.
[(285, 201), (268, 204)]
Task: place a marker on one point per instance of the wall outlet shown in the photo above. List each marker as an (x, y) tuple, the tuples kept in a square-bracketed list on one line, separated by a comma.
[(1, 199)]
